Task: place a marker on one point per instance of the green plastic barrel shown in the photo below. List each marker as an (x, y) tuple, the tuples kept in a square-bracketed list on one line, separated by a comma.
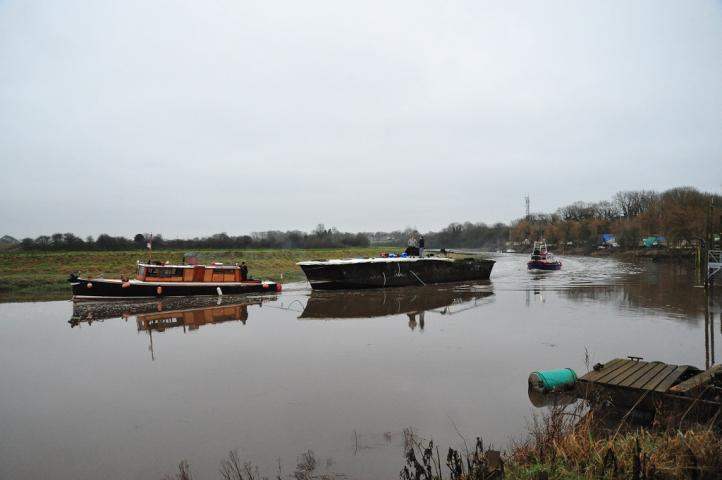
[(545, 380)]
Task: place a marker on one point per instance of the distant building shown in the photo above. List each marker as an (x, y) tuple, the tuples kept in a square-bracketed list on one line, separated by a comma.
[(654, 241), (608, 240), (8, 239)]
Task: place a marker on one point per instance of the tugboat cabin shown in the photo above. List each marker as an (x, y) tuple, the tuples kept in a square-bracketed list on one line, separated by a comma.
[(216, 273), (158, 279)]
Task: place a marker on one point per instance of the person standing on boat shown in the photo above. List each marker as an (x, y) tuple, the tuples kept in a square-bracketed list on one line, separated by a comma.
[(244, 271), (413, 248), (421, 246)]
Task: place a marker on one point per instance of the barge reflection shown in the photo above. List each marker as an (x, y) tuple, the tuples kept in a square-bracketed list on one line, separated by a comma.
[(411, 301)]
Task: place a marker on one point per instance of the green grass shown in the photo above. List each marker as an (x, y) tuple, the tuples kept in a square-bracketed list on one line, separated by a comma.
[(32, 276)]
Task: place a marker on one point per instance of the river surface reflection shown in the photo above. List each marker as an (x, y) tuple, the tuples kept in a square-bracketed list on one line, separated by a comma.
[(128, 390)]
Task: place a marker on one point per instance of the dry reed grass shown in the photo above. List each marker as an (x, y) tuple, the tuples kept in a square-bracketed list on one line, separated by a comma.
[(573, 444)]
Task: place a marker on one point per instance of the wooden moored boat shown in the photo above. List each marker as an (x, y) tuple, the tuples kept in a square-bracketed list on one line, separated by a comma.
[(384, 272), (632, 384), (156, 279)]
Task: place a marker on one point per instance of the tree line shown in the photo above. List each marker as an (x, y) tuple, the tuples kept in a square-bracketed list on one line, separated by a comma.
[(321, 237), (679, 214)]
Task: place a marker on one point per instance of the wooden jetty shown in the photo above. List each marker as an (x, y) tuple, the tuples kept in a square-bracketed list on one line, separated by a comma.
[(635, 384)]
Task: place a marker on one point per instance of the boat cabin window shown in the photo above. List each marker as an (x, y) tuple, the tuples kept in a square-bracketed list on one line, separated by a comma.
[(165, 272), (141, 271), (224, 274)]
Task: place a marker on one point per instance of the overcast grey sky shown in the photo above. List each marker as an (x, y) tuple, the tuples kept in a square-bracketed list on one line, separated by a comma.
[(192, 118)]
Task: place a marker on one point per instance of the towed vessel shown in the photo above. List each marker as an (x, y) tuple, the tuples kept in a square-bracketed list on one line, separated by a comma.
[(542, 258), (402, 271), (157, 279)]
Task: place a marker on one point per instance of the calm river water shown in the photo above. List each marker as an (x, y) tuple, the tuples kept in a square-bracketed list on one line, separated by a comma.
[(129, 390)]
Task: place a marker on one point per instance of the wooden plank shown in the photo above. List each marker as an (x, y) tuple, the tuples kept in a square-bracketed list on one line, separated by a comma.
[(696, 384), (594, 375), (615, 377), (653, 372), (626, 364), (627, 382), (659, 378), (669, 381), (625, 375)]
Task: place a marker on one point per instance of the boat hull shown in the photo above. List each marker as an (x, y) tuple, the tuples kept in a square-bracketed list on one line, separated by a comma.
[(94, 288), (402, 273), (538, 265)]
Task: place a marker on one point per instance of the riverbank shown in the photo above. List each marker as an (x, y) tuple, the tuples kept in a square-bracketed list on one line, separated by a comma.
[(653, 254), (567, 443), (33, 276), (563, 443)]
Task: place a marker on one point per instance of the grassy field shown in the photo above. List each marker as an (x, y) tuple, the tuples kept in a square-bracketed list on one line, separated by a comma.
[(32, 276)]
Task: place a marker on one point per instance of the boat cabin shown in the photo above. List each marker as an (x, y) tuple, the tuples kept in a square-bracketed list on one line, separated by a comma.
[(159, 272), (540, 251)]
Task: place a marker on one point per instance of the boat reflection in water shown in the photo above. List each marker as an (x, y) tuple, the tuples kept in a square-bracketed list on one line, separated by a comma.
[(156, 316), (191, 312), (412, 301)]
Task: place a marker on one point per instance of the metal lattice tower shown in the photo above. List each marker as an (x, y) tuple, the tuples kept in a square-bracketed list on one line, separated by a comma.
[(526, 202)]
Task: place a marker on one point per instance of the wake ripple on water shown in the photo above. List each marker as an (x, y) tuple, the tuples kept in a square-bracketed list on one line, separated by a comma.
[(510, 273)]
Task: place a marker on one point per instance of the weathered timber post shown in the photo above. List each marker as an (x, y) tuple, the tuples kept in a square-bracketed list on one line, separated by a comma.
[(707, 245)]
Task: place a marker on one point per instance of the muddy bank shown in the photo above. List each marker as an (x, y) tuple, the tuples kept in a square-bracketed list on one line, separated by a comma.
[(653, 254)]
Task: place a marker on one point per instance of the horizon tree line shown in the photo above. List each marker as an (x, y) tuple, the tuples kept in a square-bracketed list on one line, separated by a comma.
[(679, 214)]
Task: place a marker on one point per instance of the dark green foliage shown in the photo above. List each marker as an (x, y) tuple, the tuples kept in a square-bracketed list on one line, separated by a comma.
[(319, 238), (469, 235)]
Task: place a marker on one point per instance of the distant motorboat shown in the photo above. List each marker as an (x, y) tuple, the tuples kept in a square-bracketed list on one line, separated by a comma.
[(542, 258)]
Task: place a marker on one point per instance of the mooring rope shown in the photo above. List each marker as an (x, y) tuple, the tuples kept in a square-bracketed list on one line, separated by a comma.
[(417, 277)]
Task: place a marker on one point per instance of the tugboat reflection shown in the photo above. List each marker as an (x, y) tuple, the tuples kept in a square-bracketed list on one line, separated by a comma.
[(188, 313), (412, 301), (192, 318)]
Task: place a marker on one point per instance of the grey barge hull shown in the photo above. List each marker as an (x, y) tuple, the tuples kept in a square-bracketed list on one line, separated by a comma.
[(393, 272)]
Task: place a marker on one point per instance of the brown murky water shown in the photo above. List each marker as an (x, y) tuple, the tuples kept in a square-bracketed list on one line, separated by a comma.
[(129, 390)]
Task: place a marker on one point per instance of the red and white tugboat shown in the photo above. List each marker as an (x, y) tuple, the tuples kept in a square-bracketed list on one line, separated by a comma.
[(542, 258)]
